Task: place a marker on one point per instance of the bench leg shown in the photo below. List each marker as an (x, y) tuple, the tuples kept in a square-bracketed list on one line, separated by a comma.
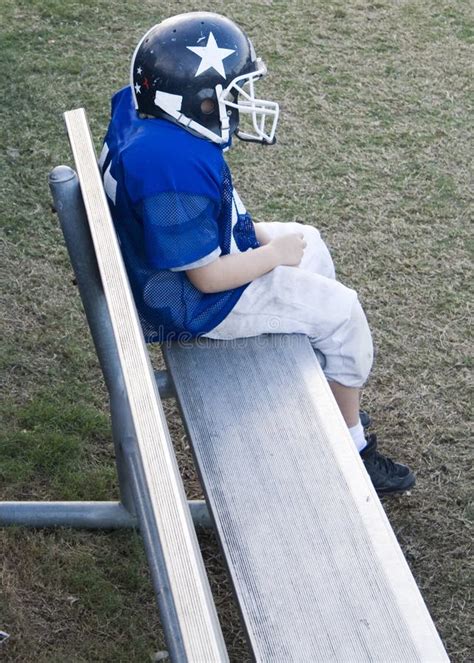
[(87, 515)]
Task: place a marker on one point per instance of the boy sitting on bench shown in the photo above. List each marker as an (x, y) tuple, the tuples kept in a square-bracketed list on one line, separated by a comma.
[(197, 263)]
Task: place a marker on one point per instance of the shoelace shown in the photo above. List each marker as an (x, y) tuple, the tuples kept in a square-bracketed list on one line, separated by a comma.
[(384, 462), (377, 458)]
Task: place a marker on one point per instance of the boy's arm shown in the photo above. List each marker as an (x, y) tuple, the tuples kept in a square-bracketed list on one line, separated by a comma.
[(231, 271), (262, 236)]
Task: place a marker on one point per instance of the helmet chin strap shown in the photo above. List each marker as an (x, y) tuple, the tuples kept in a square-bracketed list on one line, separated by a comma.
[(199, 129), (196, 127), (245, 138), (223, 117)]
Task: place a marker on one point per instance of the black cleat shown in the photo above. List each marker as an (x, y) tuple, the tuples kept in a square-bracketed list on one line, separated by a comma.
[(387, 476)]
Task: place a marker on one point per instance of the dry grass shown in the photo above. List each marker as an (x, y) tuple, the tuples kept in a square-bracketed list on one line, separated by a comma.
[(375, 148)]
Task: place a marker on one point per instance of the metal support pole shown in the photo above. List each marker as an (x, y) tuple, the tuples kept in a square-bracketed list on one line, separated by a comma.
[(165, 384), (68, 203), (156, 561), (87, 515), (72, 216)]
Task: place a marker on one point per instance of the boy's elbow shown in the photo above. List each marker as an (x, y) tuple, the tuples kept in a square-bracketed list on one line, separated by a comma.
[(205, 288), (203, 279)]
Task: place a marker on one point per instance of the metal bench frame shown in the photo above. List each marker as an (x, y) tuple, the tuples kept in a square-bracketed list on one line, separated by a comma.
[(187, 610)]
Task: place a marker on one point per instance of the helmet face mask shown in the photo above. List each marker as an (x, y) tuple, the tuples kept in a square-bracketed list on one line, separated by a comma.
[(199, 70), (259, 110)]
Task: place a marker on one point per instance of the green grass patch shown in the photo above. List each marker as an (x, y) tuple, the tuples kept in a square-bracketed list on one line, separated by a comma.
[(64, 448)]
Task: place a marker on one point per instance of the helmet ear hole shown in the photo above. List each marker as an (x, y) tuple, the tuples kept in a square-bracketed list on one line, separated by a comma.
[(208, 106)]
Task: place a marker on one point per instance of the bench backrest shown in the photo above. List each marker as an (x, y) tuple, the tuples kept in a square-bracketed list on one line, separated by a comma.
[(188, 604)]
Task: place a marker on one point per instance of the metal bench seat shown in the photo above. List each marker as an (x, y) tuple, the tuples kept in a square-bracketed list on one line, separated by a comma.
[(316, 568)]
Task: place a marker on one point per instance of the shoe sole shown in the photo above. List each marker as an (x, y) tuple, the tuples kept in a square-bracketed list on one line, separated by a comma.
[(396, 491)]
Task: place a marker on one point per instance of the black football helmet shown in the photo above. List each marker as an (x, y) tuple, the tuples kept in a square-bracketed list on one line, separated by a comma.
[(198, 70)]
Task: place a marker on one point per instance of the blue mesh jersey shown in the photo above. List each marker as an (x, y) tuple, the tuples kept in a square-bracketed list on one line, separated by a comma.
[(174, 208)]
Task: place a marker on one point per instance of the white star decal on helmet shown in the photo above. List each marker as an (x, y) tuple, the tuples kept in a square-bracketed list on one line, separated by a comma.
[(212, 57)]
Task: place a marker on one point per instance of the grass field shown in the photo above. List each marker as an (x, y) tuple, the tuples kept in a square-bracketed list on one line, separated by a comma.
[(375, 148)]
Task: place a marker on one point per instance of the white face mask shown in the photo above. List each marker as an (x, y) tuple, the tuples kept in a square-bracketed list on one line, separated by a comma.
[(263, 114)]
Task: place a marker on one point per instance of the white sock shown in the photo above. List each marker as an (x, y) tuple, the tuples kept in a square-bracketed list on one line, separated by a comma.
[(358, 437)]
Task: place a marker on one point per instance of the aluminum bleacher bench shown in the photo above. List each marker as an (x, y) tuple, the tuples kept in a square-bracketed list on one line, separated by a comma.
[(316, 568)]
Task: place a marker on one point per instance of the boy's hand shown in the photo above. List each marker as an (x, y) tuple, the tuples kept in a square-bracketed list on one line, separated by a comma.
[(289, 248), (236, 269)]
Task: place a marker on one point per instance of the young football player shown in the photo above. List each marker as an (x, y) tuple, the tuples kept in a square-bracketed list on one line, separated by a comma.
[(197, 263)]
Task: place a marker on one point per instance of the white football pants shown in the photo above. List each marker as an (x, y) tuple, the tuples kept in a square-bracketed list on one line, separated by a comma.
[(306, 300)]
